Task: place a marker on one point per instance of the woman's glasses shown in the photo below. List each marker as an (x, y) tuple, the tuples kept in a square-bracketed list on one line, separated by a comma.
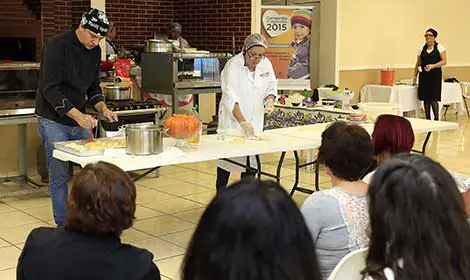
[(428, 35), (255, 56)]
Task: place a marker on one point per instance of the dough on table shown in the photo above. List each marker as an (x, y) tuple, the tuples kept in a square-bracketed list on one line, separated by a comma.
[(76, 146), (237, 141), (115, 143), (94, 145)]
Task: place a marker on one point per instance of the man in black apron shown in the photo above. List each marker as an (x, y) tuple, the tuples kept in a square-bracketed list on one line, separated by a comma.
[(429, 66)]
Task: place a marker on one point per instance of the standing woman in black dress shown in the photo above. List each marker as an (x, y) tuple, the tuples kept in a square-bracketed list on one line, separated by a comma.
[(431, 58)]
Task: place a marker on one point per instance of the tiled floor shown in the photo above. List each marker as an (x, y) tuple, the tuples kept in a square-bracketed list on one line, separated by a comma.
[(169, 207)]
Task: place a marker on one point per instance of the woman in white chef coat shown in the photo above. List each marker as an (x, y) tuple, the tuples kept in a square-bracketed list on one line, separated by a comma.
[(249, 88)]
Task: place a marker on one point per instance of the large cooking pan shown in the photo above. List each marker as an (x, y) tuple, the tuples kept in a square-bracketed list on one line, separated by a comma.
[(113, 92), (158, 45)]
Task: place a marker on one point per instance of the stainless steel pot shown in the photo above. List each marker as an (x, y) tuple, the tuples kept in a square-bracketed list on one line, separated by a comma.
[(158, 45), (144, 139), (117, 93)]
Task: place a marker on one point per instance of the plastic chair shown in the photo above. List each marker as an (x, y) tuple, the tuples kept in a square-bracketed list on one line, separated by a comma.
[(465, 95), (349, 268)]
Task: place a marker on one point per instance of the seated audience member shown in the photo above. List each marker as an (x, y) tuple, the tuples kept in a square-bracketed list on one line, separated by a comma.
[(100, 207), (251, 231), (418, 223), (337, 217), (393, 135)]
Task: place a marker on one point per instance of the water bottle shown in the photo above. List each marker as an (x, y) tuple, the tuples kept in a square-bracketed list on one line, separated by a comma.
[(346, 99)]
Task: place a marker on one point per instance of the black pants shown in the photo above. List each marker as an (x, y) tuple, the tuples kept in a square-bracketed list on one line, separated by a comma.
[(223, 176)]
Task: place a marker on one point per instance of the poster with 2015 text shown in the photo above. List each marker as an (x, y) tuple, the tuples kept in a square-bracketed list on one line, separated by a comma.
[(287, 30)]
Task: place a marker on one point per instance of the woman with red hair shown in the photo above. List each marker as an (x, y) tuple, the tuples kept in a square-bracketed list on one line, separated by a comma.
[(394, 135)]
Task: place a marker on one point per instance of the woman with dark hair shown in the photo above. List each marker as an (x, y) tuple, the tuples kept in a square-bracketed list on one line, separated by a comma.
[(100, 207), (393, 135), (251, 231), (418, 223), (431, 58), (337, 217)]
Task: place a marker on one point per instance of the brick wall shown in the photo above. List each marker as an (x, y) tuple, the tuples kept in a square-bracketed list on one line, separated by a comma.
[(59, 16), (78, 8), (137, 20), (17, 20), (208, 24), (63, 15)]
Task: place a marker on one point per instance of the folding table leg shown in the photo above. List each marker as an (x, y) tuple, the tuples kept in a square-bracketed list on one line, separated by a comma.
[(317, 176), (426, 140), (466, 106), (297, 171), (279, 167), (258, 162)]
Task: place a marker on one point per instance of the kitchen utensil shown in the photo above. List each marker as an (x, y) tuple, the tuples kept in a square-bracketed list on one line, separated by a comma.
[(328, 103), (144, 139), (112, 92), (158, 45), (90, 135)]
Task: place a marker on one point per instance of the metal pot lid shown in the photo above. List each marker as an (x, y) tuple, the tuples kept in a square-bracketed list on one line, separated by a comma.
[(115, 87), (158, 41), (138, 126)]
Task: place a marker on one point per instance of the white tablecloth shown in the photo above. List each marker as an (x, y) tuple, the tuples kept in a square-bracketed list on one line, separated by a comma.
[(211, 148), (407, 96)]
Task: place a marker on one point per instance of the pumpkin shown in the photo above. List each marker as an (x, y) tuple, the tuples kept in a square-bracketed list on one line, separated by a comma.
[(182, 126)]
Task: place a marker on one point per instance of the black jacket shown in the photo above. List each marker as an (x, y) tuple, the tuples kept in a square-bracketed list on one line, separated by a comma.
[(61, 254), (68, 77)]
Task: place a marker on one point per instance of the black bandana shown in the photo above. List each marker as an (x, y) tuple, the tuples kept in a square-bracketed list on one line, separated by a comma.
[(96, 21)]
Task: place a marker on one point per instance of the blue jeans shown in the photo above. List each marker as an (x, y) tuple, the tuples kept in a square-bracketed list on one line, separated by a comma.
[(50, 132)]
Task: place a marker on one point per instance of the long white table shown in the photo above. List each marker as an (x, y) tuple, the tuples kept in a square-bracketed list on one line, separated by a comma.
[(407, 96), (210, 148), (315, 130), (291, 139)]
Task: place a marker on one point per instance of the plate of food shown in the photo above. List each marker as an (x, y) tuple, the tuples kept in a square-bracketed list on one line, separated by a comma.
[(357, 118)]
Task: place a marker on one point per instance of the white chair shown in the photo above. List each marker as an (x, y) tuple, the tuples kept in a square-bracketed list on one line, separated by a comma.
[(465, 95), (350, 267)]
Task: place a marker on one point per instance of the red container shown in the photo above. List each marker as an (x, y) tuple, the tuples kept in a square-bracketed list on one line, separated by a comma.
[(387, 77)]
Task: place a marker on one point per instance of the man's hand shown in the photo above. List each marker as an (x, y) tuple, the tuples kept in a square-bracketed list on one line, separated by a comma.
[(86, 121), (110, 115), (83, 120), (105, 112)]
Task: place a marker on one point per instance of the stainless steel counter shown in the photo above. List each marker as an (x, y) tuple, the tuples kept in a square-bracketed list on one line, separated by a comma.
[(23, 177), (20, 66), (20, 112)]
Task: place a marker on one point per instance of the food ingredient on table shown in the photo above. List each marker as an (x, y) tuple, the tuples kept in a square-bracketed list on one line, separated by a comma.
[(98, 144), (95, 145), (237, 141), (76, 146), (182, 126)]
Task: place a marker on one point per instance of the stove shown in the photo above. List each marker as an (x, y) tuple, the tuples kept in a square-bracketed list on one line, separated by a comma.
[(129, 105), (131, 112)]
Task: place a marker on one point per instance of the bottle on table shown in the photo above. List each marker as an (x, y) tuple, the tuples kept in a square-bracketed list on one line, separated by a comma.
[(346, 99)]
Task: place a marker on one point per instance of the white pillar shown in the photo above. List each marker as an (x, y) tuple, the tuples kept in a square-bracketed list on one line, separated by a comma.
[(255, 16)]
